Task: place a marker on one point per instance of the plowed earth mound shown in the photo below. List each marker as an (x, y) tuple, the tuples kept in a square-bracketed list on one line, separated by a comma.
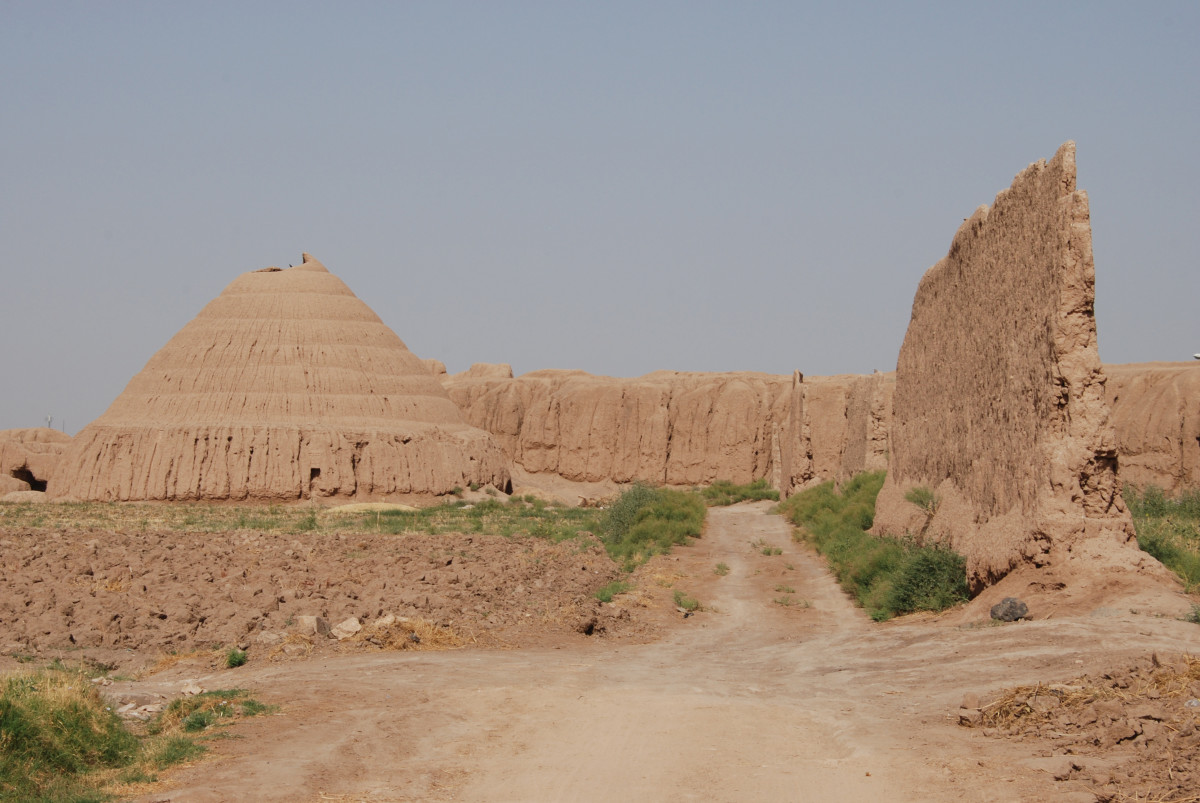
[(1131, 733), (108, 593)]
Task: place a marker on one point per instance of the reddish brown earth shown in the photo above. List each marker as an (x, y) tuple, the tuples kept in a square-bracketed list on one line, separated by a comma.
[(779, 690), (109, 593)]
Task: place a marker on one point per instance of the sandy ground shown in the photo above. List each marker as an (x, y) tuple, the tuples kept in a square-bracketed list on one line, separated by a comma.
[(748, 700)]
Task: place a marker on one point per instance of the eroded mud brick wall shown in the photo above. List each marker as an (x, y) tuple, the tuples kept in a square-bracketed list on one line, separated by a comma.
[(665, 427), (286, 386), (28, 457), (999, 402), (1156, 418), (682, 428), (835, 427)]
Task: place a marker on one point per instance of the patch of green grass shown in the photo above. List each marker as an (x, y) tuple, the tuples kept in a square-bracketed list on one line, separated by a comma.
[(202, 711), (61, 741), (513, 517), (55, 730), (645, 521), (175, 750), (724, 492), (611, 590), (762, 546), (887, 576), (721, 569), (784, 589), (235, 658), (792, 602), (1169, 529), (690, 604)]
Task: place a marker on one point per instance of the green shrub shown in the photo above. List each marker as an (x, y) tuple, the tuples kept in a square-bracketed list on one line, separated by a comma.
[(235, 658), (645, 521), (923, 498), (724, 492), (930, 578), (887, 576), (1169, 529), (721, 569)]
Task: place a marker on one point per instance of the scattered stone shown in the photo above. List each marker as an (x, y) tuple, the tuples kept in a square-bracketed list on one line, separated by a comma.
[(970, 717), (1044, 702), (191, 688), (1010, 609), (311, 626), (345, 629)]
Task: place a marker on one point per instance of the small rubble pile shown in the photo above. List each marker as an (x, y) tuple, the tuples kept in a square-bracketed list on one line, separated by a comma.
[(1133, 731)]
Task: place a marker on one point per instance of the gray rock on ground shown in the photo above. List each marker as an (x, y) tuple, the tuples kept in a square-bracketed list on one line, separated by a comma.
[(1010, 609)]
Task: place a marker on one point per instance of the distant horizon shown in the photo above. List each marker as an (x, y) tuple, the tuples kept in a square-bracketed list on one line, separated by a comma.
[(614, 189)]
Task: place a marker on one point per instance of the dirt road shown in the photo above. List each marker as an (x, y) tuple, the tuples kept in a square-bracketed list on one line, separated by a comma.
[(753, 699)]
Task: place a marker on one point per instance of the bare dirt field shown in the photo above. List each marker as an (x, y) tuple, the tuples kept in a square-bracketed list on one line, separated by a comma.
[(780, 689)]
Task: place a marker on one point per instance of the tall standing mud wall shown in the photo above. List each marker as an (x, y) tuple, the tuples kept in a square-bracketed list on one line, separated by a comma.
[(682, 428), (999, 403)]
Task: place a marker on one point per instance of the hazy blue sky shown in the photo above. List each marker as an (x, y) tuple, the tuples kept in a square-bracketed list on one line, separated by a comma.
[(616, 187)]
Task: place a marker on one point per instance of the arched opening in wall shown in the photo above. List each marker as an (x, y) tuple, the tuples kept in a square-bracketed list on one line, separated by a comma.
[(508, 487), (25, 475), (314, 474)]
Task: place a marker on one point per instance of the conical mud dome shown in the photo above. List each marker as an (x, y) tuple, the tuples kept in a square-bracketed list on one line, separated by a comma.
[(286, 386)]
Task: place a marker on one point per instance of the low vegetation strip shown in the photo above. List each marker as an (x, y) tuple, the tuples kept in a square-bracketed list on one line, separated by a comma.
[(887, 576), (1169, 529), (500, 515), (60, 740), (724, 492)]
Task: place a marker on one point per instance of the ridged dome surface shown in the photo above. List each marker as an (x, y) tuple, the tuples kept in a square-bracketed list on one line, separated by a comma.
[(285, 386)]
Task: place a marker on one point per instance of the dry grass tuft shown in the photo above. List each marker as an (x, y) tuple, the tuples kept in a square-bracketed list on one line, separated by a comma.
[(1021, 703), (279, 653), (170, 659), (412, 634)]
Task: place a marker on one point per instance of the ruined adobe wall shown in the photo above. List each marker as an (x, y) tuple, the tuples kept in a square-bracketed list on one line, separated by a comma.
[(682, 428), (29, 454), (1156, 417), (835, 427), (665, 427), (999, 401)]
